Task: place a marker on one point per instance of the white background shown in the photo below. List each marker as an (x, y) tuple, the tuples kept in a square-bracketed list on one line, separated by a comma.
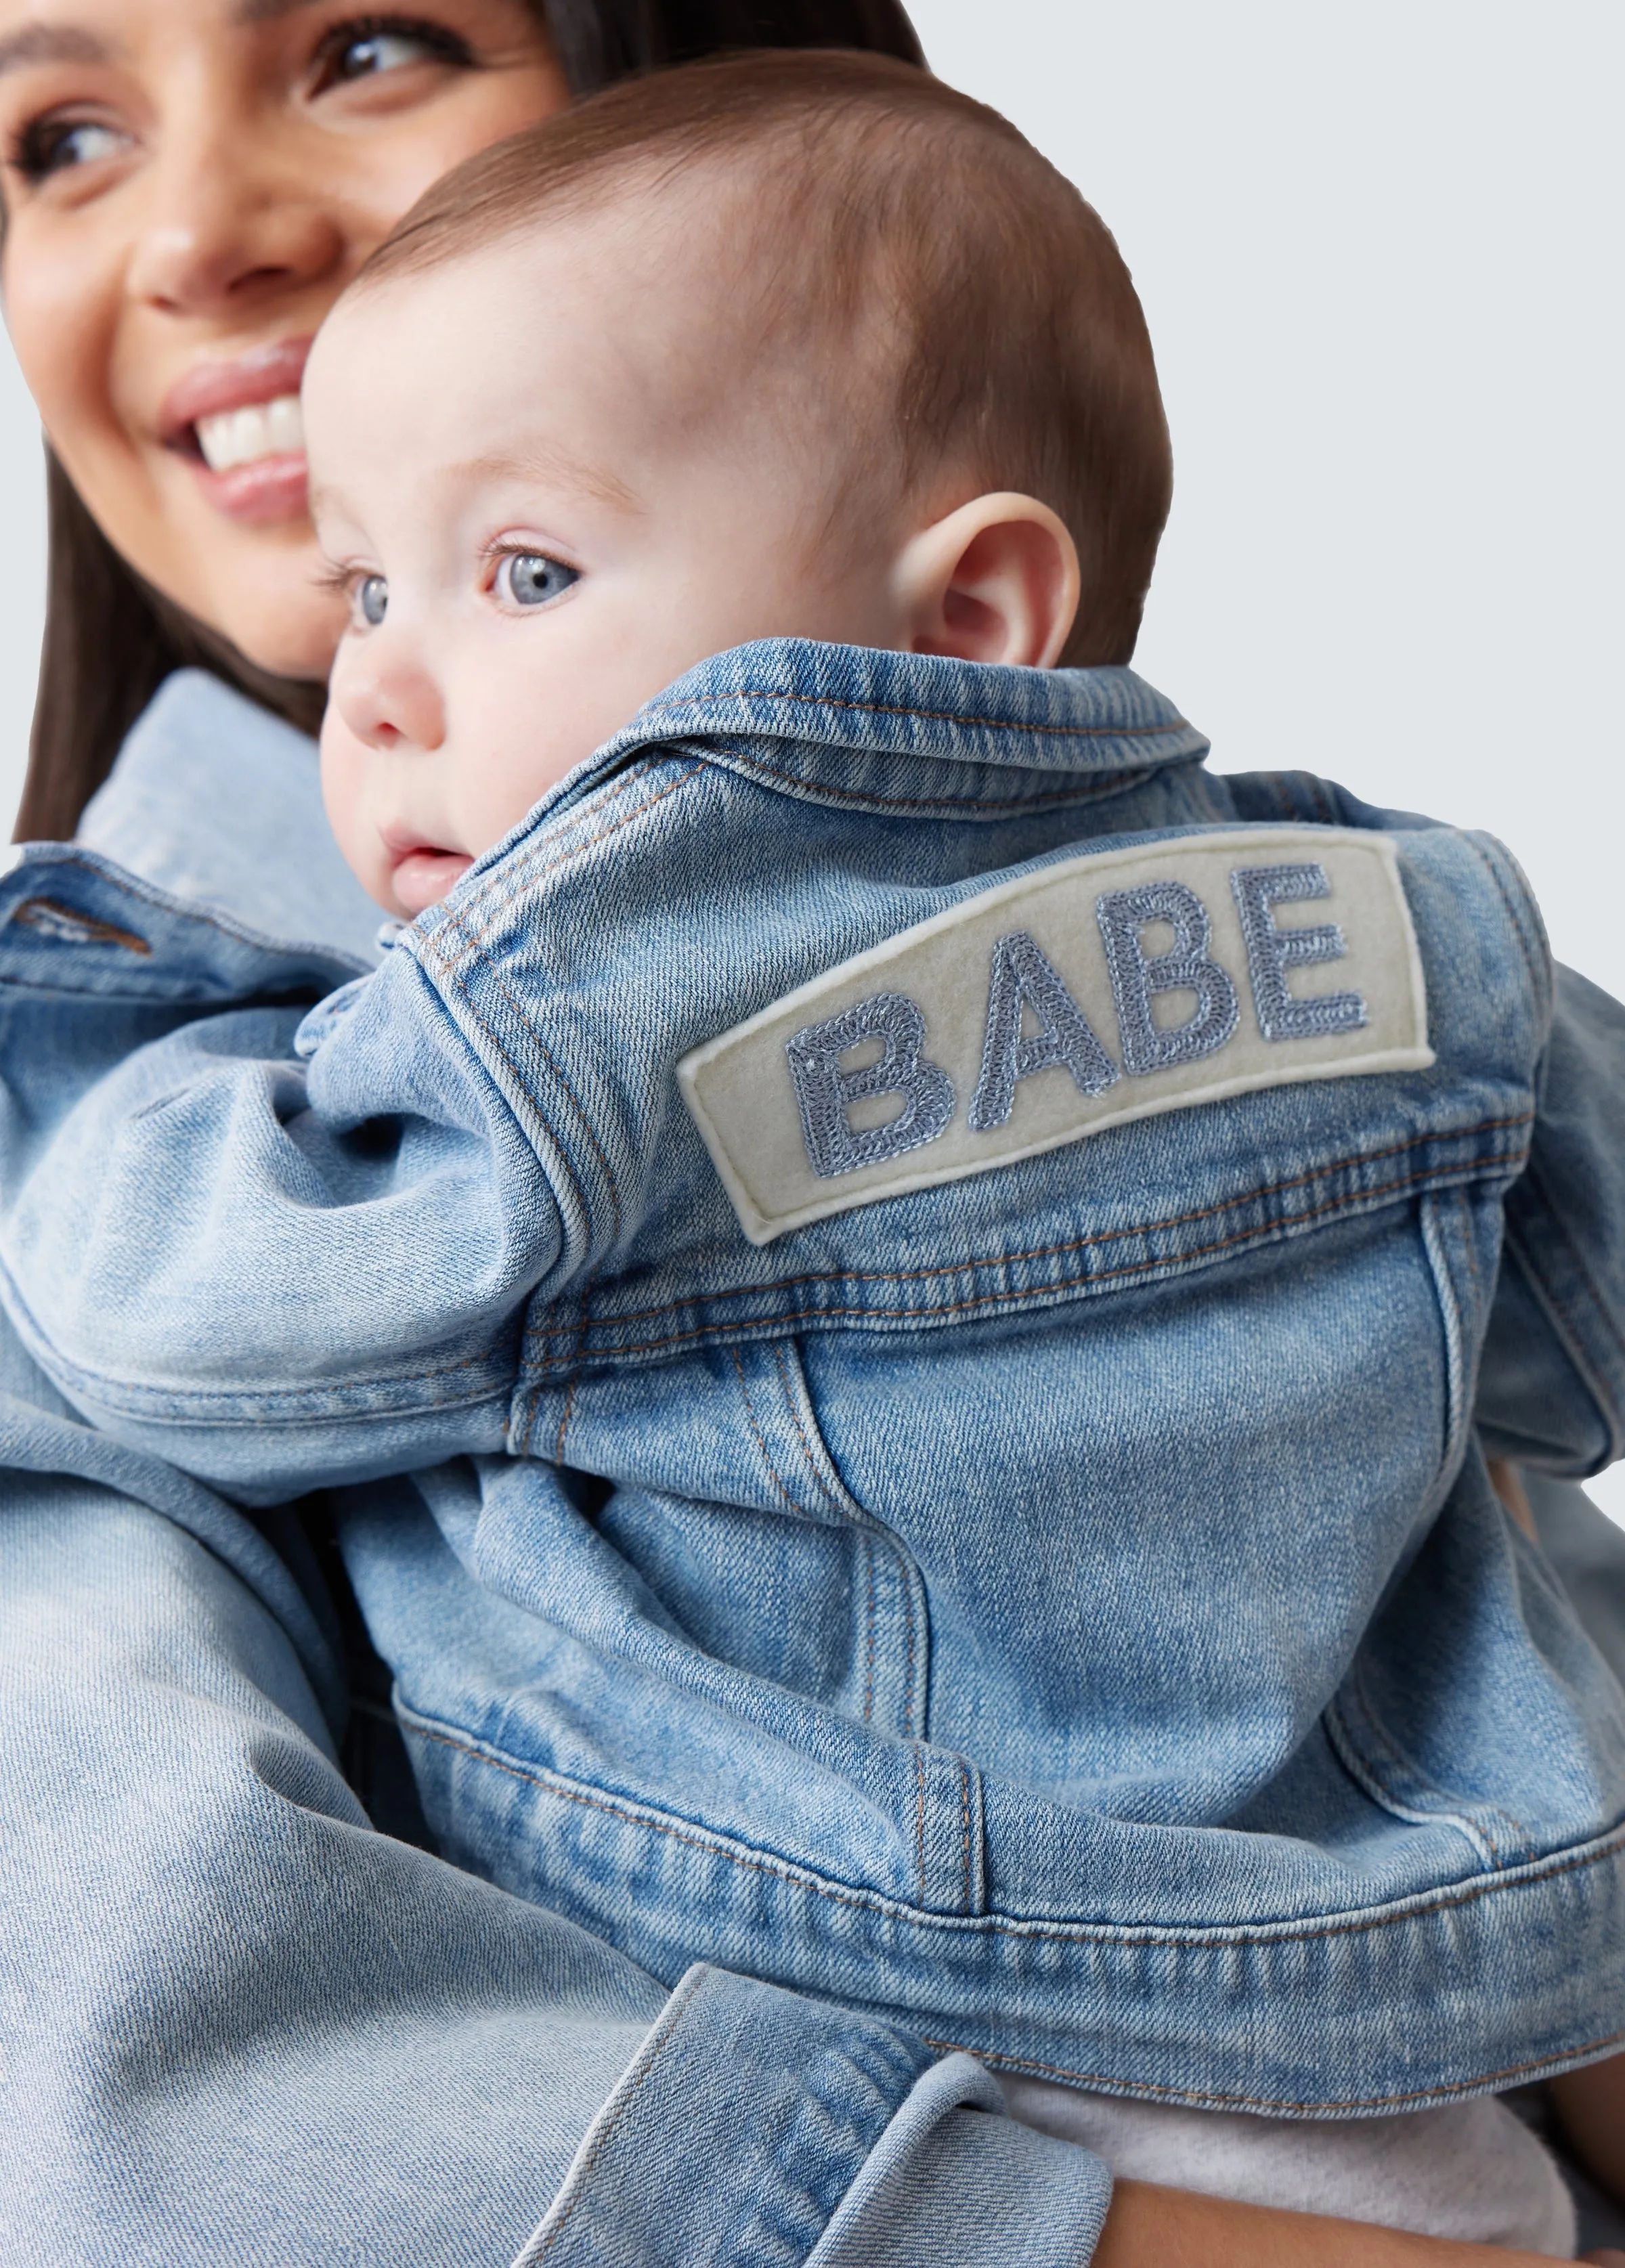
[(1379, 246)]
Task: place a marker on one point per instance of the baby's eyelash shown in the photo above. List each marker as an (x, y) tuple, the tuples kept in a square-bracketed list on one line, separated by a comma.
[(340, 581)]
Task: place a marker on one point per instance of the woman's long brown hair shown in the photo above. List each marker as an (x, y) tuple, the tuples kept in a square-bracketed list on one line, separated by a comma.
[(111, 640)]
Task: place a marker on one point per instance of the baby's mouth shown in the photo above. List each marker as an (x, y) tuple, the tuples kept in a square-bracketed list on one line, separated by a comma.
[(424, 874)]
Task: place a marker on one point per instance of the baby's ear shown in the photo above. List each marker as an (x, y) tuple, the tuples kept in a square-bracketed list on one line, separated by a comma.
[(996, 581)]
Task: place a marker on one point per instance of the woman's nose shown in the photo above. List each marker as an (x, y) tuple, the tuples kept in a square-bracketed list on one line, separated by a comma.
[(386, 696), (218, 234)]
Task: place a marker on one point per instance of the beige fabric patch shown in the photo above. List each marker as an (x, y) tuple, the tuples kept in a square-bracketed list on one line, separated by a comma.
[(1106, 988)]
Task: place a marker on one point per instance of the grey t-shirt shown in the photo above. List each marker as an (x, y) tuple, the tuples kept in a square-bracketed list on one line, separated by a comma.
[(1472, 2171)]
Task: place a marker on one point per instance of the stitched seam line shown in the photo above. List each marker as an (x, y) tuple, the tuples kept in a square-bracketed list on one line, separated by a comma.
[(1470, 1246), (1536, 976), (564, 1422), (1041, 1290), (1103, 2080), (931, 716), (1401, 1767), (1000, 1924), (965, 1814), (496, 898), (1107, 1235), (787, 1384), (868, 1633), (1081, 792), (761, 1442), (919, 1816), (528, 1024)]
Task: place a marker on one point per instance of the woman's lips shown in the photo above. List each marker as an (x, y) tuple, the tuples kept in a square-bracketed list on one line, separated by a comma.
[(423, 876), (237, 424)]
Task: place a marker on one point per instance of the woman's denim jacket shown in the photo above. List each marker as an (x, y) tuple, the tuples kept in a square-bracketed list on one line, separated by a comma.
[(942, 1276)]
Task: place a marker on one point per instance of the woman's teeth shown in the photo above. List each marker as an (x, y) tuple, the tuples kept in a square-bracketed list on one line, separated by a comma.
[(242, 437)]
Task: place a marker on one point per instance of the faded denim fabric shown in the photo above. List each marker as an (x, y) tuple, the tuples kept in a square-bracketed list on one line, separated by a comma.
[(1062, 1610), (217, 801), (237, 2024)]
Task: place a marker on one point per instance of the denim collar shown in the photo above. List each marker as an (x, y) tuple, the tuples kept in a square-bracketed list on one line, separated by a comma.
[(910, 731)]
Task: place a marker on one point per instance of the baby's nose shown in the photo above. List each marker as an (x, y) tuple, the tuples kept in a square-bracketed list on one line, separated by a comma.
[(389, 700)]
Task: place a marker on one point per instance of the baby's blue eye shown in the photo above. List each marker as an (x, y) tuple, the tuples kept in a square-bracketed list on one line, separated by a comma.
[(373, 598), (528, 578)]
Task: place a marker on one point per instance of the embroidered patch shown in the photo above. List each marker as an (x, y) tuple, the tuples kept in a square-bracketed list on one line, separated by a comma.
[(1104, 988)]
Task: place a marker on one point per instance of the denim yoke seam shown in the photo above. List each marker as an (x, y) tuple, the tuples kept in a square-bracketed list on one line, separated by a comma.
[(1150, 2087), (1353, 1158), (1007, 1297), (998, 1924)]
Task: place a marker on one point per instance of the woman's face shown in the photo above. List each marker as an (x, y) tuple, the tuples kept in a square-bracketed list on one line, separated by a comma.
[(188, 186)]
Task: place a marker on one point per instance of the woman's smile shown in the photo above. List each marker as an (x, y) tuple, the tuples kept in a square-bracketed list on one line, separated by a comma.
[(237, 423), (188, 186)]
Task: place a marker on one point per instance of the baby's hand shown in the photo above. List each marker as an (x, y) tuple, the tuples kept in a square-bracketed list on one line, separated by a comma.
[(1591, 2109)]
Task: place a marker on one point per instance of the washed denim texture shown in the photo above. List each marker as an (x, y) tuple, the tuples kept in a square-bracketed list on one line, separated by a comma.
[(235, 2023), (1063, 1610)]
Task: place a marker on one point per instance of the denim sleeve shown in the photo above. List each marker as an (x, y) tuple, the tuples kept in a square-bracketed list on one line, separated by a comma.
[(1552, 1384), (235, 2023), (276, 1274)]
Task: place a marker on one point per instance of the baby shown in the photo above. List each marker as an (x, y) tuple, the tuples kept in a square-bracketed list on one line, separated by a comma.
[(935, 1267)]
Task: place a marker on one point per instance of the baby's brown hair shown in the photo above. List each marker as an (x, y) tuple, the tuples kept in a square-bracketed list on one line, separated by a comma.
[(921, 234)]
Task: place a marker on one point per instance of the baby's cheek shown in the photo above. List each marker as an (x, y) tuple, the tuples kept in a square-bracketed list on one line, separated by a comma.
[(344, 764)]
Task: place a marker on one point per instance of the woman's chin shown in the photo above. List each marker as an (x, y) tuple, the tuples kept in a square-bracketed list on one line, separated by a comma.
[(282, 621)]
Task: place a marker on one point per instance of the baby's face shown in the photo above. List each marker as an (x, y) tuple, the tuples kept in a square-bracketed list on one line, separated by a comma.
[(547, 498)]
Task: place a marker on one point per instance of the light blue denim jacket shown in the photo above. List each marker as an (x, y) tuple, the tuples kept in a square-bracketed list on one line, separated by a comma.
[(1060, 1607), (235, 2022)]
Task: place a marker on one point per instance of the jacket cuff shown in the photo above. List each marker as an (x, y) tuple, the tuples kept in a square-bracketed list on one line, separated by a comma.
[(758, 2129)]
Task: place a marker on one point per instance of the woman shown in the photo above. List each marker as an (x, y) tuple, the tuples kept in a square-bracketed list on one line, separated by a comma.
[(251, 2026)]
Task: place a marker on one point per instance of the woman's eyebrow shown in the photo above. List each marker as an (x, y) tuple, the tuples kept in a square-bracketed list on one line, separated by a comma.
[(53, 43), (267, 12), (72, 43)]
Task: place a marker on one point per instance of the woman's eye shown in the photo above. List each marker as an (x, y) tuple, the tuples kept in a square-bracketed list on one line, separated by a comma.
[(57, 146), (374, 46), (529, 579), (372, 599)]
